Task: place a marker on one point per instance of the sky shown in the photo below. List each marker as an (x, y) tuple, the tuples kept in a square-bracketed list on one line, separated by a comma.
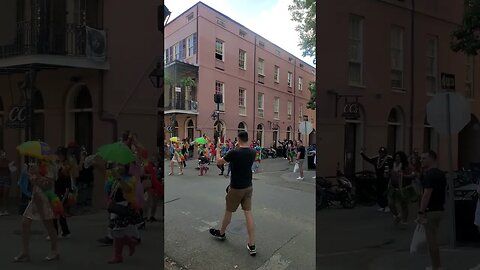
[(270, 19)]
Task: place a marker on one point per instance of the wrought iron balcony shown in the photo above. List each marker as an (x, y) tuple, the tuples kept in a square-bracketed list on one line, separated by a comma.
[(56, 39), (182, 105)]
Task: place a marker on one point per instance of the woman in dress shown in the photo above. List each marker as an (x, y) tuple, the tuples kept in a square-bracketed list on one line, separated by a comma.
[(123, 208), (176, 159), (42, 178), (400, 188)]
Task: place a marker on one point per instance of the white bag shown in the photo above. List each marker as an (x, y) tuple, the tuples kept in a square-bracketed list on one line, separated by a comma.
[(295, 169), (419, 240)]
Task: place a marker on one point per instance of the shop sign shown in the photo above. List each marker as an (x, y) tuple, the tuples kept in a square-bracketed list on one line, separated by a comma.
[(17, 117), (351, 111)]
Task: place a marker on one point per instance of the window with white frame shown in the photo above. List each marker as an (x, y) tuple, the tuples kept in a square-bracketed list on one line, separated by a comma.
[(290, 79), (220, 89), (276, 76), (469, 71), (355, 50), (220, 22), (261, 67), (396, 57), (432, 65), (300, 83), (289, 110), (242, 101), (242, 59), (190, 46), (219, 49), (276, 108), (260, 105)]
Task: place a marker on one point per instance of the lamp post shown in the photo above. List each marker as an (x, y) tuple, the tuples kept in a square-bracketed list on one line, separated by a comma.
[(217, 98)]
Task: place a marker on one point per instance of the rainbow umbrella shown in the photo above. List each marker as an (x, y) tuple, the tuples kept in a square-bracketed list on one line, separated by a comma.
[(201, 140), (35, 149), (116, 152)]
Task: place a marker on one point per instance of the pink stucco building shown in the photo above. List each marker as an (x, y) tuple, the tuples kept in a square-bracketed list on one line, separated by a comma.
[(392, 55), (90, 87), (265, 88)]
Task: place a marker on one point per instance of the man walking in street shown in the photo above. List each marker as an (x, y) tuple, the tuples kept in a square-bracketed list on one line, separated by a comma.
[(300, 158), (240, 189), (383, 162), (432, 204)]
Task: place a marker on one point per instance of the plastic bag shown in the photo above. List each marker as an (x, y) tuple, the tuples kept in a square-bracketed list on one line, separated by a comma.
[(295, 169), (419, 240)]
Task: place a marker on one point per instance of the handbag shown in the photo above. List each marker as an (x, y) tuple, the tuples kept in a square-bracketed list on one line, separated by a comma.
[(419, 240), (296, 167)]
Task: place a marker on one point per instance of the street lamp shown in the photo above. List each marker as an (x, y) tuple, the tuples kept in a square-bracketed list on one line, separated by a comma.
[(217, 98), (156, 76)]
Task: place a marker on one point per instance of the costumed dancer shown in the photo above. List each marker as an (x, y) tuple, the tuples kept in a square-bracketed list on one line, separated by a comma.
[(44, 206), (123, 209), (154, 192), (63, 186)]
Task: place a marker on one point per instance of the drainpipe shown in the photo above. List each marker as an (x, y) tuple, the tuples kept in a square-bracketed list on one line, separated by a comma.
[(104, 116), (254, 84), (412, 75)]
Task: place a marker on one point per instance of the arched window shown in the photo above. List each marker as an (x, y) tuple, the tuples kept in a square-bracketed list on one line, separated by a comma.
[(242, 127), (38, 121), (79, 119), (260, 134), (190, 127), (395, 131)]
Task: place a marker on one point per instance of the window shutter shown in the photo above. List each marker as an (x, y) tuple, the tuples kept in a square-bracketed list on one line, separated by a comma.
[(194, 43)]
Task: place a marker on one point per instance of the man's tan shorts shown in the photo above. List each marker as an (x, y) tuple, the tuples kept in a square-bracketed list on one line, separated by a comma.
[(235, 197)]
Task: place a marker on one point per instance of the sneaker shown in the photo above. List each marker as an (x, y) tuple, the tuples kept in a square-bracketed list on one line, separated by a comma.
[(252, 250), (386, 210), (216, 233), (299, 178)]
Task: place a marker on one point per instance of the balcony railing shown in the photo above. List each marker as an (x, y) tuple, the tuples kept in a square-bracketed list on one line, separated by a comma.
[(56, 39), (182, 104)]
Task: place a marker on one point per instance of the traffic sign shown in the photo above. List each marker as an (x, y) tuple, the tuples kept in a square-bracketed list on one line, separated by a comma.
[(305, 127), (447, 81), (437, 115)]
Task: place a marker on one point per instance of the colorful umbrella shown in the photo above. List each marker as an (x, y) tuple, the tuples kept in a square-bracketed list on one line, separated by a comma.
[(116, 152), (35, 149), (201, 140), (174, 139)]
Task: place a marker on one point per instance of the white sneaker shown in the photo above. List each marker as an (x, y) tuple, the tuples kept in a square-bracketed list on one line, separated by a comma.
[(314, 177), (299, 178)]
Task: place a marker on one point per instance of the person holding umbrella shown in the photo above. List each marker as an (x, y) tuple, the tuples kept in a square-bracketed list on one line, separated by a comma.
[(43, 206)]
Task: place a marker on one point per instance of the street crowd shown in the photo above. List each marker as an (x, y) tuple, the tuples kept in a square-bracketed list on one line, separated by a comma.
[(56, 182), (402, 181), (203, 148)]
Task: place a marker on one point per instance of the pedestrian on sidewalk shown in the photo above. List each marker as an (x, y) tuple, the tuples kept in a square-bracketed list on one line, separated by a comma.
[(176, 158), (240, 190), (432, 204), (383, 163), (63, 186), (42, 177), (300, 158), (6, 170), (124, 215)]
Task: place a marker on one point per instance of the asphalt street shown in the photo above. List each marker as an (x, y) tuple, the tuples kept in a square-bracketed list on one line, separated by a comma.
[(81, 251), (284, 214)]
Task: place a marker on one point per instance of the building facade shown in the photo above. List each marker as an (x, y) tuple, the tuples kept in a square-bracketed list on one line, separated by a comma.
[(92, 71), (264, 88), (389, 55)]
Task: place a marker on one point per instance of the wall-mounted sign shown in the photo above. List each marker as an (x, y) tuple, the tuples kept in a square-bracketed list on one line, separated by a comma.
[(17, 117), (351, 111), (447, 81)]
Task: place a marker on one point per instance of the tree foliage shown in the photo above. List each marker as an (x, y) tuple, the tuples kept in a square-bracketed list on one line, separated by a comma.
[(304, 13), (466, 37)]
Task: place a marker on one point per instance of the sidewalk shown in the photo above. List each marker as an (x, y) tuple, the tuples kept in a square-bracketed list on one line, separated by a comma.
[(81, 251)]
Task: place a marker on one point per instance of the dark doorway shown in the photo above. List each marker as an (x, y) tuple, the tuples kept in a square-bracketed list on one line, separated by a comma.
[(350, 148)]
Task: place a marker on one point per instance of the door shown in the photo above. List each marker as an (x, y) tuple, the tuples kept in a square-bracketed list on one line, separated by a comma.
[(350, 146), (392, 139), (83, 130)]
